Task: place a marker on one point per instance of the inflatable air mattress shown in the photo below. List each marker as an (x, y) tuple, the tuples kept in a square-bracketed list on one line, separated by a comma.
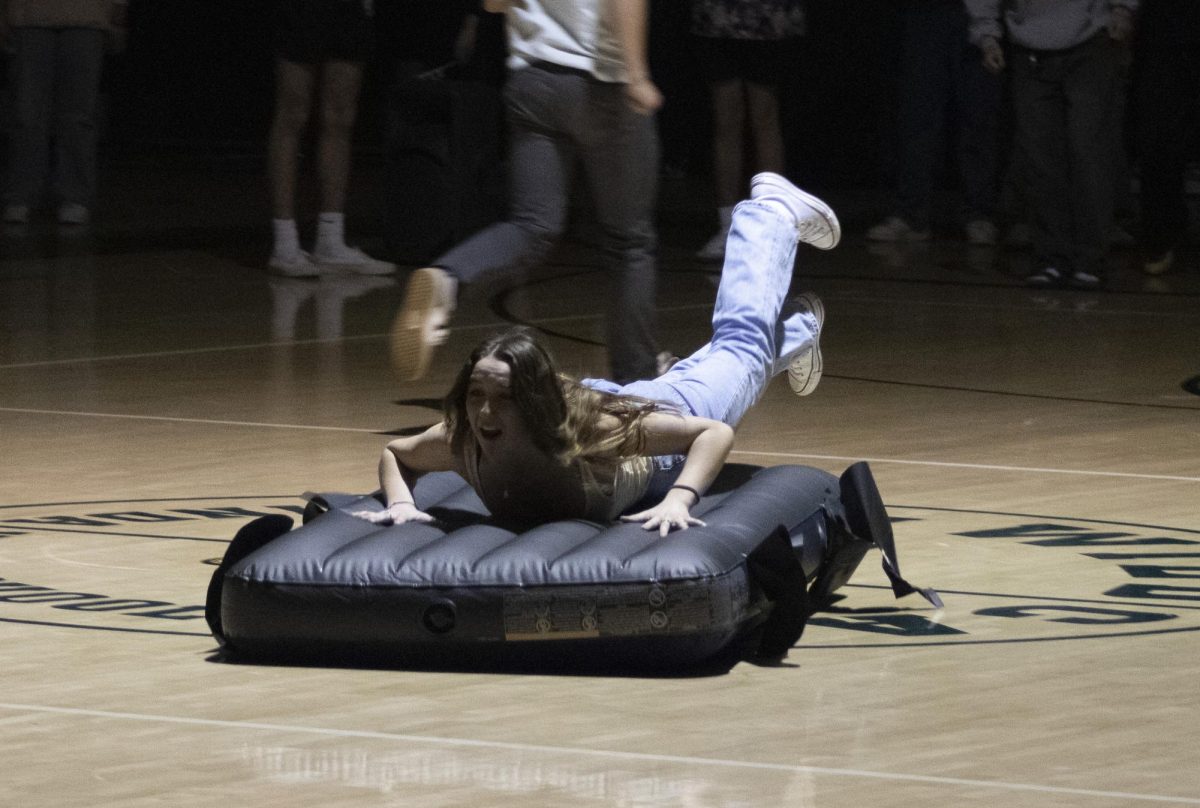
[(469, 590)]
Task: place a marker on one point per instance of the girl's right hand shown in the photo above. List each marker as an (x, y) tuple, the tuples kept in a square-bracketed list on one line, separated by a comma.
[(396, 514)]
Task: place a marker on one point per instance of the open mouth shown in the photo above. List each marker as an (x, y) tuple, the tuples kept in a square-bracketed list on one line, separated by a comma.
[(489, 432)]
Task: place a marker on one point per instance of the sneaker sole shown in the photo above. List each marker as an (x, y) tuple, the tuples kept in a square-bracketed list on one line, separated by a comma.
[(804, 387), (768, 183), (411, 339), (1045, 280), (379, 268), (286, 271)]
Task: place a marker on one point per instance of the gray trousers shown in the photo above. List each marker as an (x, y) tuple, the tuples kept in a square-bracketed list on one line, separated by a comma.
[(555, 116), (1066, 113), (56, 87)]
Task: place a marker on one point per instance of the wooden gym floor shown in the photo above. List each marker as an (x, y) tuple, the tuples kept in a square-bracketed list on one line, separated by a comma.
[(1038, 450)]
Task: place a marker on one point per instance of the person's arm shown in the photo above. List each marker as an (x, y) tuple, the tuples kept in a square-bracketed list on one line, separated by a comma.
[(5, 30), (403, 462), (1120, 21), (707, 444), (118, 26), (985, 30), (465, 40), (631, 21)]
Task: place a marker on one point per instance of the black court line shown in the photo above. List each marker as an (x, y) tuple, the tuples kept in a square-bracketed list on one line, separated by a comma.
[(59, 529), (499, 306), (1044, 516), (816, 619), (54, 624), (154, 499), (819, 263), (802, 646), (1012, 394), (1005, 595), (1011, 282)]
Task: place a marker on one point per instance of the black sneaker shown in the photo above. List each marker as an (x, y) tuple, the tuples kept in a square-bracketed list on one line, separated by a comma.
[(1045, 278), (1081, 279)]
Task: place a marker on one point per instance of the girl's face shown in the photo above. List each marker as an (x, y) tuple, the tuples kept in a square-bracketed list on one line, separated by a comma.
[(491, 413)]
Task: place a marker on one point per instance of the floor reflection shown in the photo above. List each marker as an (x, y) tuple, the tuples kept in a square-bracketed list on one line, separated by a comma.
[(615, 780)]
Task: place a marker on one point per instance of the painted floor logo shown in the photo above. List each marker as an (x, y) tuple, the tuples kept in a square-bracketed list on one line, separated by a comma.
[(144, 565), (132, 566), (1008, 577)]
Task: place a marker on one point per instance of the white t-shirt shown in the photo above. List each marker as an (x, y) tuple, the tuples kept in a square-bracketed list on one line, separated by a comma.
[(572, 33)]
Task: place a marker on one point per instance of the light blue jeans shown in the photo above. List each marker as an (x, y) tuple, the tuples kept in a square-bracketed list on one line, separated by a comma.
[(753, 339)]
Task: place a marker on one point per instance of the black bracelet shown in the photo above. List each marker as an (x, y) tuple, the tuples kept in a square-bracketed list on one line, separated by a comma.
[(693, 491)]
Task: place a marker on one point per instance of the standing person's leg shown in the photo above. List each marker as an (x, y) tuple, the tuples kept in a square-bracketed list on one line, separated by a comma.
[(1167, 116), (765, 127), (728, 105), (294, 89), (979, 95), (719, 62), (1091, 88), (924, 90), (340, 83), (539, 105), (619, 147), (32, 77), (294, 85), (1039, 117), (1012, 196), (78, 62), (340, 86), (540, 158)]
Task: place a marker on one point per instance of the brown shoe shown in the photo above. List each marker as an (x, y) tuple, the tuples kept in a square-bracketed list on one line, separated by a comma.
[(421, 324)]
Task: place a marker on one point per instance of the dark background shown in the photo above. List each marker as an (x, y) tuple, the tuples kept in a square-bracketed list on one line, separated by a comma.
[(197, 76)]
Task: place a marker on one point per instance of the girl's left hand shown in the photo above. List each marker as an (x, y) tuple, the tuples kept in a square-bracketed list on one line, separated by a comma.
[(667, 515)]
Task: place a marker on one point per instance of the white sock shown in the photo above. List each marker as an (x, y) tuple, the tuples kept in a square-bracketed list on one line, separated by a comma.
[(331, 233), (287, 238)]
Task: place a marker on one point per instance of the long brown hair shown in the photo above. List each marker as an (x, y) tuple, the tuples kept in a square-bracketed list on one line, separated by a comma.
[(564, 417)]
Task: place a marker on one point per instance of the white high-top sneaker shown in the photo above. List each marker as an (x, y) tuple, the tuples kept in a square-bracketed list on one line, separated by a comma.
[(816, 222), (805, 366)]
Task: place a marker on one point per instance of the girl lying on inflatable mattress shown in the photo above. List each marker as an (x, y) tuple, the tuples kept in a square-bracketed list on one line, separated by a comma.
[(537, 446)]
